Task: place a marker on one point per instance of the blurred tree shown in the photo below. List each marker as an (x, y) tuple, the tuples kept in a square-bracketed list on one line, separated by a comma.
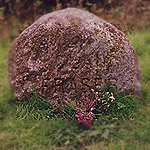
[(26, 11)]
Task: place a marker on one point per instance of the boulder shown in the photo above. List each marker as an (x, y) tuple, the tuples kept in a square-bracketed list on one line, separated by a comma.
[(69, 52)]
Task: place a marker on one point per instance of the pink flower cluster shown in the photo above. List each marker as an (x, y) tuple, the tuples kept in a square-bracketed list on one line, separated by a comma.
[(85, 119), (85, 105), (84, 110), (88, 103)]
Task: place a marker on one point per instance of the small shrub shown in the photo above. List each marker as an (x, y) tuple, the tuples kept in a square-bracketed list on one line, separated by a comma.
[(115, 105)]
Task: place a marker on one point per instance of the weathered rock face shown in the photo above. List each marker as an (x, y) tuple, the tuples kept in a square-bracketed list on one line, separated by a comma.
[(69, 52)]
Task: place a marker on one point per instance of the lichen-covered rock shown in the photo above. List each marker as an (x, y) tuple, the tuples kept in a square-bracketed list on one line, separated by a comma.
[(69, 52)]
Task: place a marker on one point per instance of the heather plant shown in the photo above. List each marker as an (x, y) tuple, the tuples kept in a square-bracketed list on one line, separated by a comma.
[(84, 108)]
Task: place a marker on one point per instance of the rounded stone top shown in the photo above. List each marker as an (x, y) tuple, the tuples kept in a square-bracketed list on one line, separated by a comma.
[(70, 52)]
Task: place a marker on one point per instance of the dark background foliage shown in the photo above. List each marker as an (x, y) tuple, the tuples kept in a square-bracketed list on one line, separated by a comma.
[(125, 14)]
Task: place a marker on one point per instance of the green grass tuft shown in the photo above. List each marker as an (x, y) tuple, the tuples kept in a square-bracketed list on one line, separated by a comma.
[(35, 107)]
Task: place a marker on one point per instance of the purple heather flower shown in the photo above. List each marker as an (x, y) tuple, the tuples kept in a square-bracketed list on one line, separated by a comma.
[(85, 105), (85, 119), (88, 103)]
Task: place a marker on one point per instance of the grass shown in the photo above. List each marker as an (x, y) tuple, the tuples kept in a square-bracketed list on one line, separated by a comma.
[(61, 134)]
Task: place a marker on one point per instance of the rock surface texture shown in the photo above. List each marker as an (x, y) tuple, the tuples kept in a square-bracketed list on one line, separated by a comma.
[(69, 52)]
